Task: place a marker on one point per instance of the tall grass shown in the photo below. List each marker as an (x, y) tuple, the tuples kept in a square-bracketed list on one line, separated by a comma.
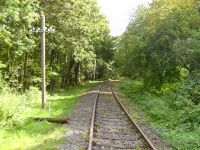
[(14, 104), (172, 113), (18, 131)]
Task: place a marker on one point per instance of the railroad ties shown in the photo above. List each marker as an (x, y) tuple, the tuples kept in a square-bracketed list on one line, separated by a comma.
[(112, 128)]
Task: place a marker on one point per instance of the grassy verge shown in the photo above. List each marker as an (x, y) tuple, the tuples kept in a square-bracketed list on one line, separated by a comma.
[(177, 125), (42, 135)]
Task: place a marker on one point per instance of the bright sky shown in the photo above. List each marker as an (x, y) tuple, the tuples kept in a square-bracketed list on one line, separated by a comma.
[(118, 13)]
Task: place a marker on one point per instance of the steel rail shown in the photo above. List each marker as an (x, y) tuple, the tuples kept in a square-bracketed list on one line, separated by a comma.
[(133, 122), (93, 117)]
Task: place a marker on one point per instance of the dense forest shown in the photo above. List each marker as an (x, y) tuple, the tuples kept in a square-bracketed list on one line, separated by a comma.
[(81, 37), (161, 43)]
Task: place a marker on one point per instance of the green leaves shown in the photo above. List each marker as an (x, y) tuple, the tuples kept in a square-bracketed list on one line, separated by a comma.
[(160, 39), (81, 32)]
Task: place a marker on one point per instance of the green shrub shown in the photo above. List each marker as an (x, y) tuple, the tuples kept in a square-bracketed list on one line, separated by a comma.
[(33, 96), (174, 112), (13, 104), (3, 85), (189, 90)]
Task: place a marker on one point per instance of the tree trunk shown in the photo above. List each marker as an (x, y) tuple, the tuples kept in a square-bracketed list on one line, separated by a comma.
[(76, 70), (51, 85), (25, 82), (69, 75)]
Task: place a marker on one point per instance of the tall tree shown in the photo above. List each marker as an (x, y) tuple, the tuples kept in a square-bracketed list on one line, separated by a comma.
[(71, 51), (159, 42)]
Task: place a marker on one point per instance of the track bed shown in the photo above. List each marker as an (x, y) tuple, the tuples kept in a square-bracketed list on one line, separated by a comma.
[(112, 129)]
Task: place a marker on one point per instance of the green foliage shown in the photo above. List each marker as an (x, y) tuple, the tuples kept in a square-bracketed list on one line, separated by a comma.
[(173, 113), (13, 105), (81, 34), (9, 105), (191, 89), (33, 96), (3, 85), (161, 47), (49, 135), (159, 40)]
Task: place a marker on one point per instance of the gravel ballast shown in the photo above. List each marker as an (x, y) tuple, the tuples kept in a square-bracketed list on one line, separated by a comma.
[(151, 133), (77, 132), (78, 128)]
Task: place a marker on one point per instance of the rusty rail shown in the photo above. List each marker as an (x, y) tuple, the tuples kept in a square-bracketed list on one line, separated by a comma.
[(133, 122), (90, 145), (93, 117)]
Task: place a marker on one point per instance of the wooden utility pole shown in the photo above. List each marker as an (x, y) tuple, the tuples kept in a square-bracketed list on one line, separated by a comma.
[(43, 61), (43, 30)]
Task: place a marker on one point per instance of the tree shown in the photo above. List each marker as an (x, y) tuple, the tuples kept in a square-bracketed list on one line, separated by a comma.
[(158, 42), (81, 30)]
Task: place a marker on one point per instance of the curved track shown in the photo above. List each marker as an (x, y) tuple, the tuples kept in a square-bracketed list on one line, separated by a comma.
[(112, 127)]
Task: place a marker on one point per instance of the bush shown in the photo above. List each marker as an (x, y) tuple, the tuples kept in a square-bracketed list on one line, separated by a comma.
[(13, 104), (174, 112), (3, 85), (190, 89), (33, 96)]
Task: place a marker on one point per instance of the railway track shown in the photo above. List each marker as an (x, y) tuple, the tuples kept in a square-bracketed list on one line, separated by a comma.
[(112, 127)]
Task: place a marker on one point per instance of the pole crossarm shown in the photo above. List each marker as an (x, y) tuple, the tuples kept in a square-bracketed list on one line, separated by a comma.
[(39, 30)]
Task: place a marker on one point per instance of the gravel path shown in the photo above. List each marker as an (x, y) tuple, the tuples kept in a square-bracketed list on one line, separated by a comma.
[(77, 131)]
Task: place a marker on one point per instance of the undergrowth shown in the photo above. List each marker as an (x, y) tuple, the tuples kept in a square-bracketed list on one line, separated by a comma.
[(13, 105), (175, 113), (18, 131)]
